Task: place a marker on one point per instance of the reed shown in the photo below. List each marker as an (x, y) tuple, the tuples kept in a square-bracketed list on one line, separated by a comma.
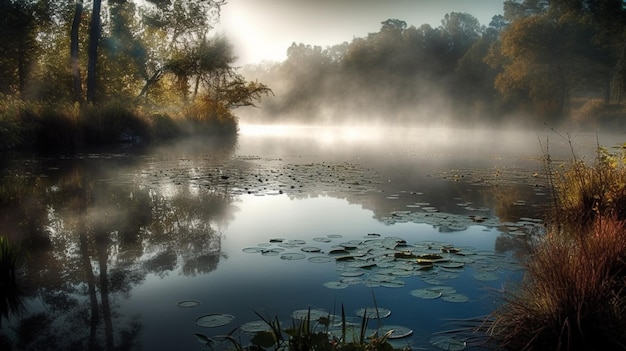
[(572, 297)]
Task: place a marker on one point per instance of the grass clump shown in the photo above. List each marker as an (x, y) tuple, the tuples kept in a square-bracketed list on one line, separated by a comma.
[(573, 295), (585, 192)]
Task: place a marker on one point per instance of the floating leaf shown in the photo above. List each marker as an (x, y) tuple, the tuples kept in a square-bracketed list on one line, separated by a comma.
[(373, 312), (272, 252), (485, 276), (322, 240), (320, 259), (449, 343), (427, 294), (311, 249), (397, 331), (292, 256), (253, 249), (188, 304), (214, 320), (455, 298), (313, 314), (255, 326), (336, 285)]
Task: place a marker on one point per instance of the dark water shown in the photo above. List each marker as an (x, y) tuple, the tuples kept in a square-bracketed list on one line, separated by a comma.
[(116, 241)]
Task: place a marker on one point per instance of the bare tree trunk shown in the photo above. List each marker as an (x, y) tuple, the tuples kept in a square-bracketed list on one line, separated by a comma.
[(94, 39), (78, 88)]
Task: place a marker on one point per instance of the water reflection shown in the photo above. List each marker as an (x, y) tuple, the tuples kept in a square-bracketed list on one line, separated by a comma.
[(117, 240), (92, 238)]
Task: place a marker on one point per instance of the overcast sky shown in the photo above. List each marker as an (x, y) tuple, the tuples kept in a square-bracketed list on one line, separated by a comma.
[(264, 29)]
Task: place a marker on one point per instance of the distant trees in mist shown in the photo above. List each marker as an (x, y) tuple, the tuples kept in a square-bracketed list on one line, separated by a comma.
[(542, 61)]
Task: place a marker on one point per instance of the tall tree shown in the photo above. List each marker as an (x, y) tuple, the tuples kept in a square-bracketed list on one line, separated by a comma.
[(74, 50), (95, 30)]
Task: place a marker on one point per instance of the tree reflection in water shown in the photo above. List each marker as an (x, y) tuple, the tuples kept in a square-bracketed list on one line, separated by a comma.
[(91, 239)]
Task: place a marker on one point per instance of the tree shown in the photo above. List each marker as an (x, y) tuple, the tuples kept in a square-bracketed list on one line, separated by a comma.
[(95, 31), (552, 50), (74, 51)]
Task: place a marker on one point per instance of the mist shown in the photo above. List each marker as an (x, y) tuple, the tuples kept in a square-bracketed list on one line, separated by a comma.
[(459, 74)]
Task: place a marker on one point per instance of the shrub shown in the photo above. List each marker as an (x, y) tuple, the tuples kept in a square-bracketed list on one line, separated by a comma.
[(111, 124), (210, 117)]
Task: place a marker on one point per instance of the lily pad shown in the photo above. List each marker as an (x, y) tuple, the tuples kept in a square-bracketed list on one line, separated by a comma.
[(455, 298), (188, 304), (320, 259), (485, 276), (449, 343), (373, 312), (253, 249), (313, 313), (311, 249), (255, 326), (397, 331), (292, 256), (214, 320), (427, 294), (336, 285)]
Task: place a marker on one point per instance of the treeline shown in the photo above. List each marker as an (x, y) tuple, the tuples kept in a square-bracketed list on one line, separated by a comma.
[(542, 61), (76, 73)]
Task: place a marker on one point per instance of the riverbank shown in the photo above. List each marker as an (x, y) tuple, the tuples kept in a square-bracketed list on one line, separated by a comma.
[(29, 126), (573, 296)]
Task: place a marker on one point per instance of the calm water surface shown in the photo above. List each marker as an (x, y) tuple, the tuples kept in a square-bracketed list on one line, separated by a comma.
[(117, 240)]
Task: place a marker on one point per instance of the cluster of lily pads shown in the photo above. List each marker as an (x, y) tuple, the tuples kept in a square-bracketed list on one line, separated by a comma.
[(336, 327), (272, 178), (377, 261), (423, 212)]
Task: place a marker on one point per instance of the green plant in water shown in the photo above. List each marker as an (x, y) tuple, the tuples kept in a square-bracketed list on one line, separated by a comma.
[(314, 334)]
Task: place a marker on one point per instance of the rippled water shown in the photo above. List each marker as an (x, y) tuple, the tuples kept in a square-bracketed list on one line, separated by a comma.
[(117, 240)]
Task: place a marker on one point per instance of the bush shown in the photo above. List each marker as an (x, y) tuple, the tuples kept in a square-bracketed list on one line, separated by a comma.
[(111, 124), (209, 117)]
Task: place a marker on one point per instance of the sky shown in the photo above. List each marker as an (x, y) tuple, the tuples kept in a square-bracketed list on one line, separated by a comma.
[(262, 30)]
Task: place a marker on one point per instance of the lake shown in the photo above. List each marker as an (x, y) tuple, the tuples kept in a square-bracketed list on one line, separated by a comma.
[(142, 249)]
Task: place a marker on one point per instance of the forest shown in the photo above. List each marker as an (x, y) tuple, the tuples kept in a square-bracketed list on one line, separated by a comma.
[(77, 73), (540, 62)]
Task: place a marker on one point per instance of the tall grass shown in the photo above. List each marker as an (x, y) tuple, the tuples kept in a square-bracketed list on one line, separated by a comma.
[(573, 295)]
